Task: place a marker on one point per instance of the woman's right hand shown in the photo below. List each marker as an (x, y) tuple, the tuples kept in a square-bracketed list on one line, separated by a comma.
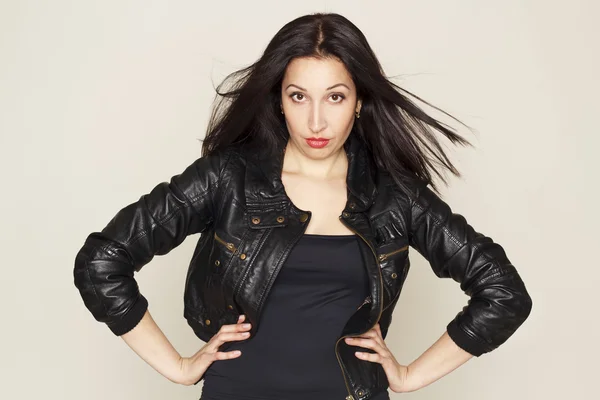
[(192, 368)]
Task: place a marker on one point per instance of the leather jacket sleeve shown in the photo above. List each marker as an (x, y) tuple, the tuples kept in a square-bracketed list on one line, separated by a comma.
[(155, 224), (499, 302)]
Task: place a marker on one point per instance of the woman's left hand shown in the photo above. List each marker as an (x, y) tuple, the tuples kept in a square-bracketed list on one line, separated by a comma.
[(397, 374)]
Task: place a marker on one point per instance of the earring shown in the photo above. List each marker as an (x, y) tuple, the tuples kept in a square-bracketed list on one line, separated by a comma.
[(280, 106), (358, 114)]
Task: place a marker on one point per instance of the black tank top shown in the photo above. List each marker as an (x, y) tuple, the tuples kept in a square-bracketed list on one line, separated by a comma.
[(292, 355)]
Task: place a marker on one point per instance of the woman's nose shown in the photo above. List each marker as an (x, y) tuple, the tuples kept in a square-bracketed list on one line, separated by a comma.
[(317, 120)]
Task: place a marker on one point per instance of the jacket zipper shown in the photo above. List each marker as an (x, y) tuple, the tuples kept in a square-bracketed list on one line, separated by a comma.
[(350, 396), (230, 246), (383, 257), (367, 300)]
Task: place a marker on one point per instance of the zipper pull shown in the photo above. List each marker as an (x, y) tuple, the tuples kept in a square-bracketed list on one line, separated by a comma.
[(367, 300), (383, 257)]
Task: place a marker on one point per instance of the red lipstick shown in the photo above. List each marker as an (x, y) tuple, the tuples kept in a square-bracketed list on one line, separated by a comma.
[(317, 143)]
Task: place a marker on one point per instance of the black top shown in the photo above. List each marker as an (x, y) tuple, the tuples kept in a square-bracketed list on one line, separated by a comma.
[(292, 355)]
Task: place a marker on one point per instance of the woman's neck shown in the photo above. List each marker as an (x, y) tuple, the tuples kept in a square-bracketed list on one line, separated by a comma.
[(332, 167)]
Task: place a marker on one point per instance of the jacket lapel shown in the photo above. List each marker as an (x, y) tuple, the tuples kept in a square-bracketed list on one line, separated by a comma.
[(263, 184)]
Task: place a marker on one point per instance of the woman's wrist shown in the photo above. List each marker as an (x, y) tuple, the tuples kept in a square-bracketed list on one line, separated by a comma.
[(440, 359), (150, 343), (413, 381)]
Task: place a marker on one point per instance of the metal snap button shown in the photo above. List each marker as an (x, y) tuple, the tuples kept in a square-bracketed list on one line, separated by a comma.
[(280, 219), (360, 393), (255, 220), (243, 256), (303, 217), (217, 263), (346, 214), (207, 322), (394, 275), (230, 307), (352, 206)]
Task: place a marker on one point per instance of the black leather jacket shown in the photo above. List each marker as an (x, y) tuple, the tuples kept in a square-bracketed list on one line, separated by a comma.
[(248, 225)]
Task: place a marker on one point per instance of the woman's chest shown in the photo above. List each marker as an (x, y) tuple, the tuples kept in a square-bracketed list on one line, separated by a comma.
[(324, 199)]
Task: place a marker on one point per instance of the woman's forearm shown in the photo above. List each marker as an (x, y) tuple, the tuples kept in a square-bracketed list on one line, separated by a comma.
[(443, 357), (150, 343)]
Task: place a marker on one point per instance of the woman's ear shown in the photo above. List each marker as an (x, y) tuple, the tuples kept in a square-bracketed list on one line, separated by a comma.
[(358, 106)]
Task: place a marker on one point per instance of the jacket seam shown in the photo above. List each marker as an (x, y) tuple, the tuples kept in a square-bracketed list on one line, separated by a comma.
[(272, 276), (495, 273), (87, 268), (217, 212), (169, 216), (444, 229), (189, 203), (486, 256), (440, 224)]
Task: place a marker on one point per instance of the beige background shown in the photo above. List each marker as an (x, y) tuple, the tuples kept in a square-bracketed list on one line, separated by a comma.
[(101, 100)]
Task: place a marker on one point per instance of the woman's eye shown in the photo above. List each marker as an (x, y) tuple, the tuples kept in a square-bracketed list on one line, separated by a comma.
[(298, 97)]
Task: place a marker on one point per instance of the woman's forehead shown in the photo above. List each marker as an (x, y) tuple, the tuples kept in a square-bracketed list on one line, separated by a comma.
[(317, 74)]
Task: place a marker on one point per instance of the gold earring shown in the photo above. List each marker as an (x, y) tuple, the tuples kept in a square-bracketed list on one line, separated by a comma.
[(280, 106), (358, 114)]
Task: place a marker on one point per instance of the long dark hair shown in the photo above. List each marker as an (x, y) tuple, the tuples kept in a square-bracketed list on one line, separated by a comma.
[(399, 134)]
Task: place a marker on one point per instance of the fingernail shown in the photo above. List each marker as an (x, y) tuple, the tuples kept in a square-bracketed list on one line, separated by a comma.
[(246, 326)]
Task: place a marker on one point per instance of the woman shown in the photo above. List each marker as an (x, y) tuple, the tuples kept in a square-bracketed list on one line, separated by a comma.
[(311, 188)]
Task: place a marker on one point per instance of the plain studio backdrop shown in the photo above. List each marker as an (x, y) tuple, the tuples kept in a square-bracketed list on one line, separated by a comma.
[(102, 100)]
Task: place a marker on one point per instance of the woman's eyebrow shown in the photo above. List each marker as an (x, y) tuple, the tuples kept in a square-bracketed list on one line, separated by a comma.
[(329, 88)]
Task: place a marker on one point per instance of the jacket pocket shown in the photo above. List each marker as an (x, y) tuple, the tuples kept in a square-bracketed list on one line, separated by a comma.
[(392, 250), (397, 252), (394, 263), (229, 245), (222, 253)]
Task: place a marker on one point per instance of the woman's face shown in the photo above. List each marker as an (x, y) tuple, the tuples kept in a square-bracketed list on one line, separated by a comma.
[(319, 100)]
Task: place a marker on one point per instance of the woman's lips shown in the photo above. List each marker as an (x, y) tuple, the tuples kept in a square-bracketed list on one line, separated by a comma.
[(317, 143)]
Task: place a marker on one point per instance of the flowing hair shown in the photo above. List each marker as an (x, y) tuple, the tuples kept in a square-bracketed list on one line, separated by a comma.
[(399, 134)]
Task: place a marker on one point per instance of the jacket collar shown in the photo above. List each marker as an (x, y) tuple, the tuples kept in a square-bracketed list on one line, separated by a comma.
[(263, 184)]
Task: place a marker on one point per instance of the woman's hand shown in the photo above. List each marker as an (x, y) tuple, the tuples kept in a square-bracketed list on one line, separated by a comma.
[(192, 368), (397, 374)]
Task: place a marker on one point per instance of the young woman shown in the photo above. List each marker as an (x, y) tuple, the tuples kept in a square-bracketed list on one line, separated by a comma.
[(312, 186)]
